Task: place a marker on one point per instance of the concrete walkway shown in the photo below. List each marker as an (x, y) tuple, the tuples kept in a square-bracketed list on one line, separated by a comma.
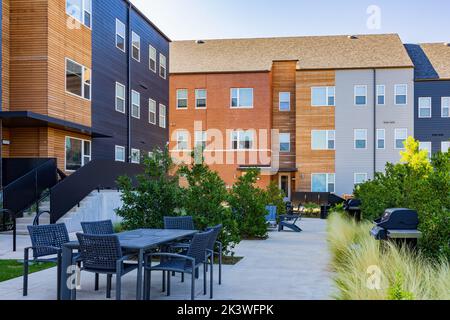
[(287, 266)]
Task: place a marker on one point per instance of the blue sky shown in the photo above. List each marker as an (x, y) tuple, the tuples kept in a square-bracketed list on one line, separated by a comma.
[(414, 20)]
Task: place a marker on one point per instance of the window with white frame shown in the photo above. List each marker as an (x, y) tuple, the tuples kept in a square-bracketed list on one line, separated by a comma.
[(80, 10), (285, 142), (135, 156), (360, 138), (323, 96), (182, 140), (445, 107), (285, 101), (323, 182), (242, 140), (426, 146), (135, 104), (445, 146), (360, 95), (120, 97), (400, 137), (425, 107), (323, 139), (78, 79), (242, 98), (401, 94), (200, 98), (120, 35), (77, 153), (381, 139), (360, 178), (381, 95), (120, 154), (162, 115), (151, 111), (201, 139), (162, 66), (152, 58), (136, 46), (182, 98)]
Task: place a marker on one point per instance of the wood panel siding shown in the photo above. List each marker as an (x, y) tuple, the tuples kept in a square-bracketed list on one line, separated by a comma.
[(5, 43), (310, 118), (284, 80), (5, 134)]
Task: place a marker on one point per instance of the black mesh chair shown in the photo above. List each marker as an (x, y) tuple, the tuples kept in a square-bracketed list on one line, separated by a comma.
[(98, 228), (46, 242), (179, 223), (172, 262), (102, 254)]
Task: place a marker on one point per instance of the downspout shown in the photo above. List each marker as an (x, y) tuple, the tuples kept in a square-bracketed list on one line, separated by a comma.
[(129, 83), (375, 97)]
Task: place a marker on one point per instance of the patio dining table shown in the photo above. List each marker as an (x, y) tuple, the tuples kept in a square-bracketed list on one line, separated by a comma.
[(137, 241)]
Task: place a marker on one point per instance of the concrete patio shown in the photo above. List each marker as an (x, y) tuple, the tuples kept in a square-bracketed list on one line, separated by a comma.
[(287, 266)]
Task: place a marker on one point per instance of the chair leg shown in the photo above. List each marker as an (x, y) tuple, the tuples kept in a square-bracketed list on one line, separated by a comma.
[(118, 286), (25, 273), (193, 286), (168, 283), (108, 286), (204, 278), (58, 277), (211, 278), (149, 284), (220, 264), (97, 276), (79, 274), (182, 277), (163, 281)]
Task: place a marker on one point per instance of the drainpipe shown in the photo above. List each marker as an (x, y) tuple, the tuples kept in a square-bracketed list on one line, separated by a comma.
[(375, 122), (129, 83)]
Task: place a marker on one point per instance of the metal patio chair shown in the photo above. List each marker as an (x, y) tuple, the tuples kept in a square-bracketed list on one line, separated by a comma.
[(211, 252)]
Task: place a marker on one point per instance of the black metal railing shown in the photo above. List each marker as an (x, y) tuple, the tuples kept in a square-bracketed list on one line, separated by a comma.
[(97, 174)]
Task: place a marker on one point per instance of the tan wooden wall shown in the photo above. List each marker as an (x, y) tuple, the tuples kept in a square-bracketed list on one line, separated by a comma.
[(312, 118), (5, 55)]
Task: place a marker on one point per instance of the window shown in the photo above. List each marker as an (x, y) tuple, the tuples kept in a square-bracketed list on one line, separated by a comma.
[(162, 115), (426, 146), (241, 98), (135, 104), (242, 140), (360, 178), (78, 153), (136, 43), (401, 94), (78, 79), (162, 66), (120, 35), (120, 97), (381, 139), (151, 111), (182, 140), (201, 139), (285, 101), (200, 98), (445, 146), (285, 142), (323, 96), (445, 107), (135, 156), (182, 99), (400, 137), (360, 95), (323, 182), (152, 58), (360, 138), (381, 95), (425, 107), (81, 10), (323, 139), (120, 153)]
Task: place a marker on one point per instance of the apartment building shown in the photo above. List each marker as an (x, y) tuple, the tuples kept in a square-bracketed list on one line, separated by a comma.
[(335, 109), (432, 95), (82, 80)]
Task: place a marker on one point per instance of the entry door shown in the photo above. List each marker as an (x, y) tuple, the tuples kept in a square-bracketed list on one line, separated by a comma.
[(285, 185)]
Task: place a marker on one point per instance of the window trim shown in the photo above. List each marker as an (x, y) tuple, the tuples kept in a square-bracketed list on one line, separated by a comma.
[(239, 140), (381, 95), (82, 9), (396, 94), (421, 108), (360, 173), (132, 104), (124, 153), (366, 95), (442, 107), (327, 96), (289, 141), (133, 34), (161, 59), (124, 36), (82, 152), (178, 133), (354, 139), (83, 70), (279, 101), (131, 156), (150, 100), (163, 115), (187, 99), (395, 137), (150, 49), (328, 180), (442, 146), (238, 98), (206, 99), (124, 98), (384, 139), (327, 136)]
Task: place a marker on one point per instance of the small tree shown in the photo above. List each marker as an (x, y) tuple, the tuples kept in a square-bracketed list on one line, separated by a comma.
[(157, 193), (275, 197), (248, 204)]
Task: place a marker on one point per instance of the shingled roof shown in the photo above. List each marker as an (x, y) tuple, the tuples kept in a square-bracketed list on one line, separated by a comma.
[(318, 52), (432, 60)]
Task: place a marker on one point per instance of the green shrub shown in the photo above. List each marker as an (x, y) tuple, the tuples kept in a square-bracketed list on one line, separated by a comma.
[(249, 207), (156, 195), (275, 197), (396, 291)]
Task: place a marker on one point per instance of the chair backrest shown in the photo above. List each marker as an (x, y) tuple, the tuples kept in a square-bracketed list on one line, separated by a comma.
[(51, 235), (98, 227), (197, 248), (212, 240), (99, 252), (179, 223), (271, 213)]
